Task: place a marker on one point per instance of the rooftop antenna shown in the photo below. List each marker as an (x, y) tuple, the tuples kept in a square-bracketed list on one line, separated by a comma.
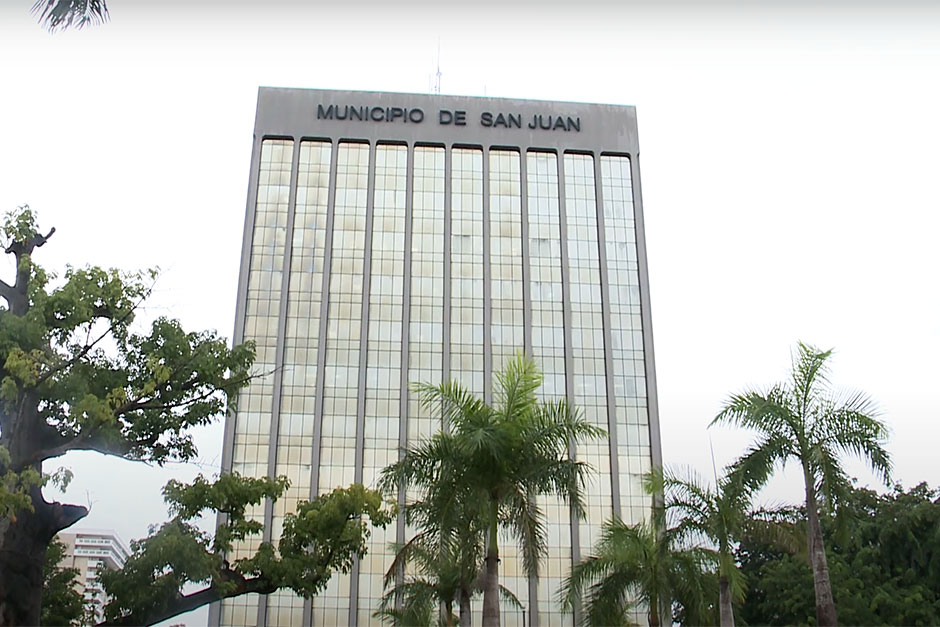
[(714, 468), (437, 84)]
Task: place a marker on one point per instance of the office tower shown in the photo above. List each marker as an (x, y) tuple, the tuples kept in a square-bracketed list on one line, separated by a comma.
[(392, 238)]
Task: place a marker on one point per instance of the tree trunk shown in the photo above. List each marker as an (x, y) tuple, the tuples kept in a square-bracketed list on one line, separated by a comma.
[(22, 555), (464, 608), (726, 612), (449, 613), (825, 603), (23, 542), (491, 577), (654, 613)]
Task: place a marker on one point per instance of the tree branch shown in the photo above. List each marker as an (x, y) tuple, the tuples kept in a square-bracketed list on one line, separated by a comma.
[(60, 445), (85, 349), (50, 518), (189, 602), (6, 291), (27, 247)]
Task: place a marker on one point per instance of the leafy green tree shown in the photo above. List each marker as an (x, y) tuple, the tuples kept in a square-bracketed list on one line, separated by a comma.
[(323, 536), (801, 420), (76, 375), (491, 462), (62, 14), (646, 564), (62, 604), (884, 563)]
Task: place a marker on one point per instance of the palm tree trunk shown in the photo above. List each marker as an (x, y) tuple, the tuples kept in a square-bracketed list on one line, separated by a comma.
[(726, 612), (654, 612), (464, 608), (449, 613), (491, 576), (825, 603)]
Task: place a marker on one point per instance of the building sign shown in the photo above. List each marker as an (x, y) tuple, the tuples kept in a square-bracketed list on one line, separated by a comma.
[(448, 117)]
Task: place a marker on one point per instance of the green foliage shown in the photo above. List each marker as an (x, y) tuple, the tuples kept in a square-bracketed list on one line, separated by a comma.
[(77, 372), (62, 604), (74, 361), (178, 553), (884, 565), (15, 487), (174, 555), (483, 471), (645, 564), (445, 571), (322, 536), (230, 494), (802, 421), (18, 225), (506, 454), (419, 600)]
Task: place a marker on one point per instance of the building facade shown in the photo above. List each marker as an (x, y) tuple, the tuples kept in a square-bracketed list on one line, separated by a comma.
[(392, 238), (86, 551)]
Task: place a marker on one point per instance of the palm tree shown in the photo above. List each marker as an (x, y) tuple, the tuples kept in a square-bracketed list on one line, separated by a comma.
[(717, 514), (412, 604), (801, 420), (646, 563), (721, 515), (447, 575), (489, 463)]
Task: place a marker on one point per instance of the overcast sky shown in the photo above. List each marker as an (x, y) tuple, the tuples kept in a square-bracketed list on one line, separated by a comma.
[(789, 169)]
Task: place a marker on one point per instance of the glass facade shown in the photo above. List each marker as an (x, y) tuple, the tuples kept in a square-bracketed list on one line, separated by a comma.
[(587, 337), (371, 264), (548, 350), (265, 275), (383, 386), (466, 269), (632, 417)]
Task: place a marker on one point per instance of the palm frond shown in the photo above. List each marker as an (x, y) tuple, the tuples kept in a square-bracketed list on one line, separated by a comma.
[(641, 563), (516, 386), (554, 424), (768, 412), (692, 585), (62, 14), (449, 401), (853, 427), (834, 484), (507, 595), (810, 373), (754, 468), (777, 528), (528, 525), (610, 600), (582, 576), (418, 602), (689, 498)]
